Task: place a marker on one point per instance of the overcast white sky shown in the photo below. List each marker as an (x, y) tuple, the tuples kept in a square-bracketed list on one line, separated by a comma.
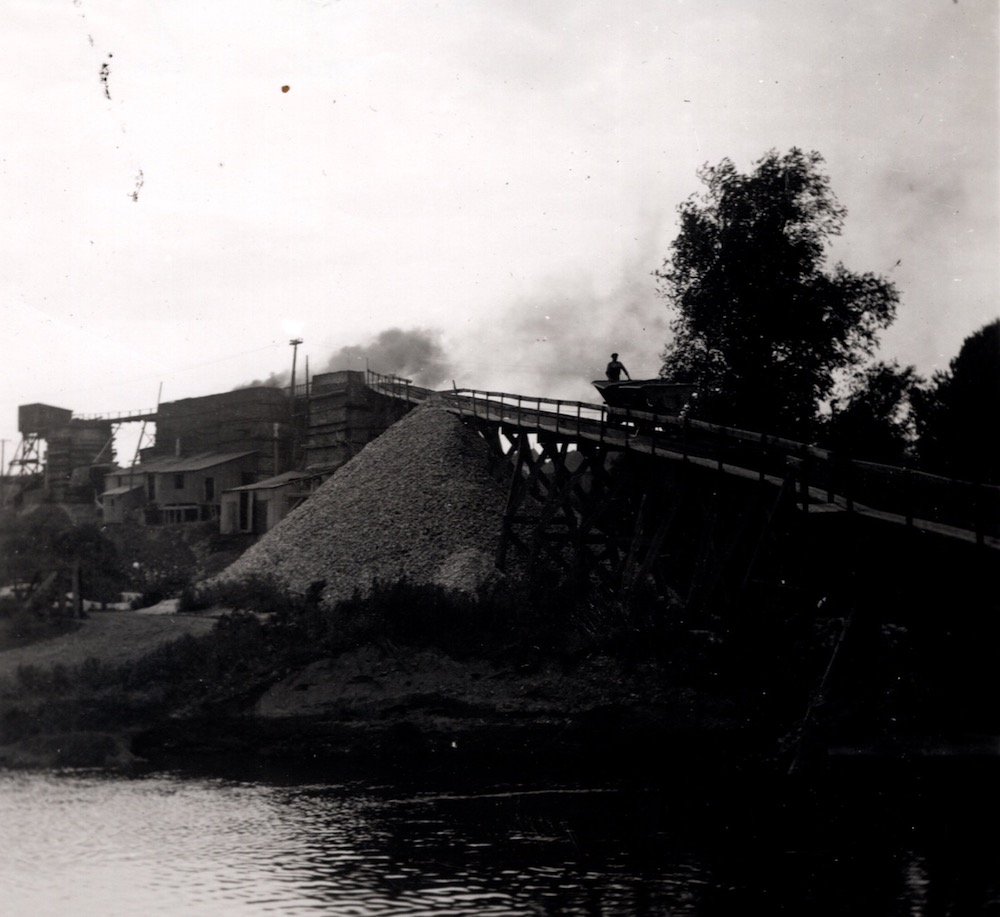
[(503, 175)]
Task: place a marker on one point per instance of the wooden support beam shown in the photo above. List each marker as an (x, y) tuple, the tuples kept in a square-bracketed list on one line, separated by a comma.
[(652, 555), (514, 495)]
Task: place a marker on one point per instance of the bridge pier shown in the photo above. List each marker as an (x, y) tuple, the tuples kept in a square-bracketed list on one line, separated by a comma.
[(632, 522)]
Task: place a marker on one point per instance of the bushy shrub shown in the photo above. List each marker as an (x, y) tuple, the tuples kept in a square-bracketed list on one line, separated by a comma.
[(257, 594), (23, 625), (9, 606)]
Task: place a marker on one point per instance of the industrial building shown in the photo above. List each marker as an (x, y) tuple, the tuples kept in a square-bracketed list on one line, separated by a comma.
[(253, 509), (343, 415), (242, 459), (177, 489), (77, 451)]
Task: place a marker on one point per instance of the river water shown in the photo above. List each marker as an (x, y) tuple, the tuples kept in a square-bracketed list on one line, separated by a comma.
[(175, 843)]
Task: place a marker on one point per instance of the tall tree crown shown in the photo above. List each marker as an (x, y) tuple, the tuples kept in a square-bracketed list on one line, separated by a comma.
[(957, 412), (759, 323)]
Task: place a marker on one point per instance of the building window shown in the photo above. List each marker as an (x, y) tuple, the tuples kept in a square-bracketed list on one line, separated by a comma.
[(209, 489), (178, 482)]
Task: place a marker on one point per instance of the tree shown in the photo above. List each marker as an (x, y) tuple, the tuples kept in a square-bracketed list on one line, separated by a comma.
[(875, 421), (760, 326), (46, 539), (958, 412)]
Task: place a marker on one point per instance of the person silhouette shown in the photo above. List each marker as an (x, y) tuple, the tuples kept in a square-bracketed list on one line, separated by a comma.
[(615, 369)]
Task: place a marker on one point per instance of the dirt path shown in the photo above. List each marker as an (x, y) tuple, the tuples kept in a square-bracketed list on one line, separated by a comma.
[(109, 636)]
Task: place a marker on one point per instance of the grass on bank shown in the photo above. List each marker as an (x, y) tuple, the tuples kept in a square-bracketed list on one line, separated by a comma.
[(762, 663), (270, 633)]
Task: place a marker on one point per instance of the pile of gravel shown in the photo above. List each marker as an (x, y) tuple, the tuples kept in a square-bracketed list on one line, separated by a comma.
[(418, 502)]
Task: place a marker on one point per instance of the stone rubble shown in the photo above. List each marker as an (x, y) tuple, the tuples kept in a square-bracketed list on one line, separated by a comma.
[(419, 501)]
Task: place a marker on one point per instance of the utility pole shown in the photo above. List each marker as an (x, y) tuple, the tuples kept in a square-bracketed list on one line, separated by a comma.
[(295, 351), (294, 433)]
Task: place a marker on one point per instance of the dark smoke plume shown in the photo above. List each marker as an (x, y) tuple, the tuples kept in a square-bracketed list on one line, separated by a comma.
[(415, 354), (275, 380)]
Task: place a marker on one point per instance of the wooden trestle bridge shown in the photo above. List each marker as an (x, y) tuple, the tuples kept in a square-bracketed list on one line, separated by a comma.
[(695, 508), (762, 545)]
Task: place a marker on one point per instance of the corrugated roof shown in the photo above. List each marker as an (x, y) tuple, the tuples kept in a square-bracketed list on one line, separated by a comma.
[(191, 462), (279, 480), (124, 489)]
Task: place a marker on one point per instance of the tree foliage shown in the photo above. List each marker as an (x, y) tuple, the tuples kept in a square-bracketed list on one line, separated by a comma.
[(760, 325), (46, 540), (875, 421), (957, 412)]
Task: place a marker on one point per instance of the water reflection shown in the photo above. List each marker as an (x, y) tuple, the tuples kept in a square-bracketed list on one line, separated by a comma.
[(169, 844)]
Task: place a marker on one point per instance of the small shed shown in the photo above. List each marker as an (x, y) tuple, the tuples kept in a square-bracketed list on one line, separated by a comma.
[(257, 508), (121, 502)]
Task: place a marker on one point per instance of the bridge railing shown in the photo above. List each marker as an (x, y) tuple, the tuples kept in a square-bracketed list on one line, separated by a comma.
[(819, 473), (527, 408), (899, 490), (120, 416), (919, 495), (396, 387)]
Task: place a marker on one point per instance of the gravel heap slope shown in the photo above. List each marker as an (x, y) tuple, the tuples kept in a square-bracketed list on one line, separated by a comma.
[(418, 502)]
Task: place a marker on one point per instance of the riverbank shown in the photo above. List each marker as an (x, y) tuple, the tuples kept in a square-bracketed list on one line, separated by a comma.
[(393, 709), (418, 677), (154, 685)]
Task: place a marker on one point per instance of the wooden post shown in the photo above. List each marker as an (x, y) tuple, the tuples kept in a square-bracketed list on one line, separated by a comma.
[(628, 568), (513, 499), (978, 498), (77, 597), (804, 477)]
